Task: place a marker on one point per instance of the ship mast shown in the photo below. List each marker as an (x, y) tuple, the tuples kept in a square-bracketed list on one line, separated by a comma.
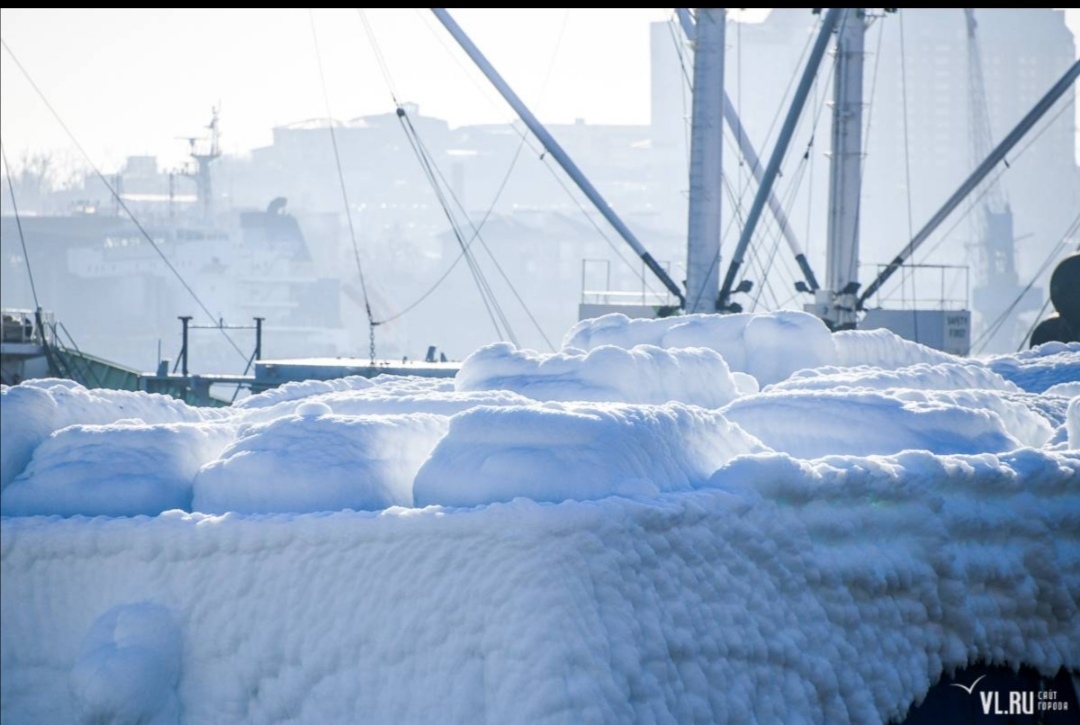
[(837, 303), (201, 173), (706, 143)]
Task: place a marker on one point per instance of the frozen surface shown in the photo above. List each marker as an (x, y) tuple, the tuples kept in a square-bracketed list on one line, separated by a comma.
[(381, 401), (576, 451), (768, 346), (1040, 368), (884, 349), (317, 461), (122, 469), (813, 423), (816, 591), (861, 515), (1072, 423), (642, 374), (922, 376), (34, 409), (128, 667)]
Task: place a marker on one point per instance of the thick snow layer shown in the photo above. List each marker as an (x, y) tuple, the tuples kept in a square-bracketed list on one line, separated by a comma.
[(1072, 423), (578, 451), (884, 349), (122, 469), (768, 346), (1040, 368), (301, 390), (381, 401), (820, 551), (831, 591), (128, 667), (1069, 390), (922, 376), (815, 423), (317, 461), (34, 409), (642, 374)]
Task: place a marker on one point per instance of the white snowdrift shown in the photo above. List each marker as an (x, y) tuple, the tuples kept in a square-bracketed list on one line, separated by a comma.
[(884, 349), (381, 401), (34, 409), (123, 469), (317, 461), (922, 376), (128, 667), (768, 346), (829, 591), (815, 423), (555, 451), (641, 374), (1041, 367), (1072, 423)]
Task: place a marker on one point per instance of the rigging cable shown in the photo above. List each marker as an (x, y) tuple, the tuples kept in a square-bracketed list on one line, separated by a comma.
[(425, 165), (988, 184), (542, 155), (907, 175), (56, 362), (996, 325), (432, 170), (344, 193), (101, 177), (18, 224), (478, 277)]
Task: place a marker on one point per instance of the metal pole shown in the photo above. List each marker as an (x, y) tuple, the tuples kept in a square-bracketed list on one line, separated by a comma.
[(258, 337), (831, 21), (184, 345), (997, 155), (837, 303), (555, 149), (706, 146), (746, 148)]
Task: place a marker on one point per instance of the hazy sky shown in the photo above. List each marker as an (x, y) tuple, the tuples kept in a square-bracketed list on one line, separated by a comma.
[(133, 81)]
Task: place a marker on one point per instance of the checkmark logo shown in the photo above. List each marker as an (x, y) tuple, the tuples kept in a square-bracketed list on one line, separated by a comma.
[(968, 690)]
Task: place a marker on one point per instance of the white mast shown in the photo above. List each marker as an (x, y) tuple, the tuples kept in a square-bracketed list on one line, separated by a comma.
[(838, 301), (706, 143)]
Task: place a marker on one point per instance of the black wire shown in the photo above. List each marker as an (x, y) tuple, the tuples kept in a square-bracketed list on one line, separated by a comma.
[(18, 223), (425, 165), (119, 200), (985, 187), (996, 325), (542, 155), (341, 181)]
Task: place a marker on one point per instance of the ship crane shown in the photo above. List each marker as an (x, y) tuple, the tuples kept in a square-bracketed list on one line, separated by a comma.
[(993, 246)]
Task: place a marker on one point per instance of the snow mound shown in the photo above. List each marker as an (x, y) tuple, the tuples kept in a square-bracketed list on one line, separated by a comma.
[(831, 591), (319, 462), (32, 410), (1040, 368), (555, 451), (815, 423), (128, 668), (641, 374), (123, 469), (1072, 423), (768, 346), (381, 401), (884, 349), (1068, 390), (922, 376), (300, 390), (387, 384)]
